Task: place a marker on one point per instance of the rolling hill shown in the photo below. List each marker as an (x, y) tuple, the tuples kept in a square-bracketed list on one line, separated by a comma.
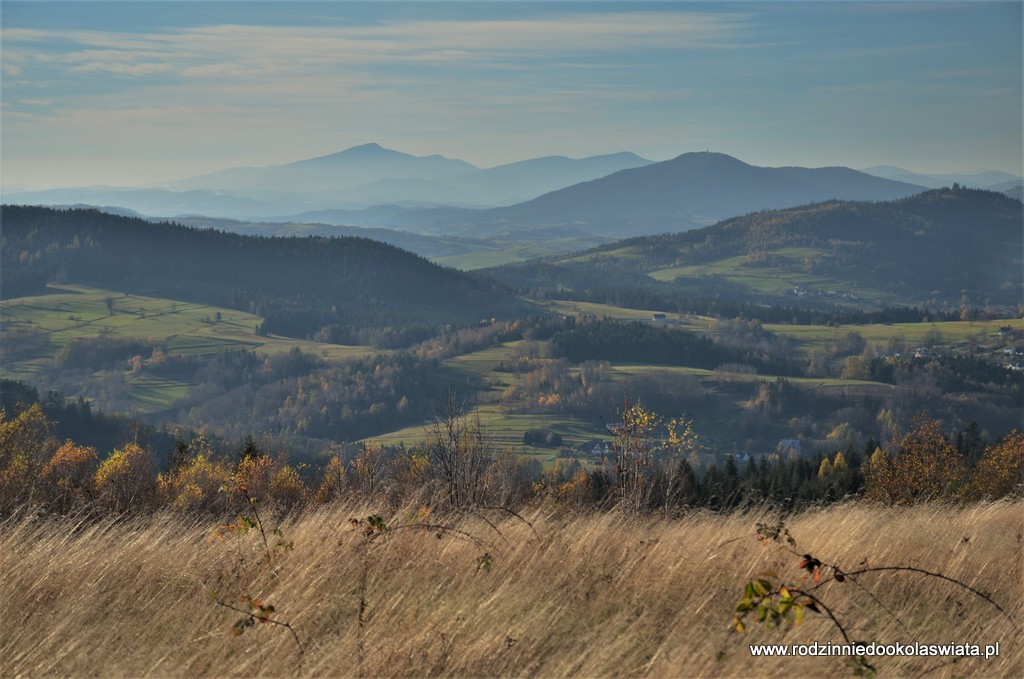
[(944, 247), (345, 290)]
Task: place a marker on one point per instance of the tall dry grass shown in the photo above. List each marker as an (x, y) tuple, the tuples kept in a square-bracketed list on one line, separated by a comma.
[(587, 596)]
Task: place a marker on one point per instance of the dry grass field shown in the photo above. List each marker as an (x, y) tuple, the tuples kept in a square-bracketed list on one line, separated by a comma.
[(594, 595)]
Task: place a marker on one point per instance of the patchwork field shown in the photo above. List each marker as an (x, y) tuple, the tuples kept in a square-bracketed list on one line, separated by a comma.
[(35, 328), (724, 393)]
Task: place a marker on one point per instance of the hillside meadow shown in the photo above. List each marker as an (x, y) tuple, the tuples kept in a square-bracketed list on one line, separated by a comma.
[(36, 328), (590, 595)]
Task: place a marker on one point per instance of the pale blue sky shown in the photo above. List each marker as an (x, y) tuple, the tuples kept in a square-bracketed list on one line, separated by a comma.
[(133, 92)]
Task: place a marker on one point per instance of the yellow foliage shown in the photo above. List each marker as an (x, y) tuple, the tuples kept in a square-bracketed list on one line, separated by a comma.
[(333, 482), (928, 467), (125, 478), (194, 486), (28, 436), (839, 464), (26, 444), (577, 489), (286, 485), (254, 475), (1000, 472), (640, 458), (69, 474)]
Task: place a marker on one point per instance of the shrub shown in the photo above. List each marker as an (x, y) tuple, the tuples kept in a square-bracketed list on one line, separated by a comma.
[(124, 480), (67, 478), (197, 483), (1001, 471), (333, 481)]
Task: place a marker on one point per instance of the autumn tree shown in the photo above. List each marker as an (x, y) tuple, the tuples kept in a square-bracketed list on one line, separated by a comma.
[(649, 456), (26, 445), (369, 469), (262, 478), (196, 481), (1000, 472), (124, 480), (67, 479), (928, 467), (333, 480)]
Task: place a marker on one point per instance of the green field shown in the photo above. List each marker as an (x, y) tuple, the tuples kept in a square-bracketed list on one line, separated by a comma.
[(502, 423), (627, 252), (728, 391), (716, 377), (35, 328), (509, 255), (509, 252), (506, 428), (775, 280), (811, 337), (570, 308)]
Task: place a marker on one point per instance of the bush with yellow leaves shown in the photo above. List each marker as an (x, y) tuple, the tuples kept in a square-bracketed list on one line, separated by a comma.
[(1000, 473), (261, 477), (928, 467), (196, 484), (67, 479), (124, 481), (649, 456), (333, 481)]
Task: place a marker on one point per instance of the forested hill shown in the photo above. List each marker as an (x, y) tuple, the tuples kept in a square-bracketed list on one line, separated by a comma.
[(934, 247), (348, 290)]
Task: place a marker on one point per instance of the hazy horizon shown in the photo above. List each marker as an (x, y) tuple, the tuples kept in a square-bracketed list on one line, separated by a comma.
[(142, 93)]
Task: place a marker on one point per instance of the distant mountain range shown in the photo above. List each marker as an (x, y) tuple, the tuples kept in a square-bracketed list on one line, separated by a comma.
[(357, 178), (606, 196), (692, 190), (991, 180), (371, 175), (343, 170)]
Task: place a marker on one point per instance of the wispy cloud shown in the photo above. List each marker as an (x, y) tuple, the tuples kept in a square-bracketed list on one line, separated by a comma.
[(491, 82), (199, 51)]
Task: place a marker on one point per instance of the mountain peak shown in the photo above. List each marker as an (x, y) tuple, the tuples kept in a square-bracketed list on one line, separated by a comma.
[(705, 156), (371, 147)]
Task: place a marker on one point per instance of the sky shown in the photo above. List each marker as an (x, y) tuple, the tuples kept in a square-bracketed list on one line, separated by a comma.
[(129, 93)]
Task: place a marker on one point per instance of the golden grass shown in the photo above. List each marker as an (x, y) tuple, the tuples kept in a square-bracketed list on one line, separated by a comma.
[(594, 596)]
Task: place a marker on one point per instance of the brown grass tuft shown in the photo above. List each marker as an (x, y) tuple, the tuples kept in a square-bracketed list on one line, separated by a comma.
[(595, 596)]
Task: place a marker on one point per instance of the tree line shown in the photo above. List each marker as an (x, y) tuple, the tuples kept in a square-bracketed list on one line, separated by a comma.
[(651, 466)]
